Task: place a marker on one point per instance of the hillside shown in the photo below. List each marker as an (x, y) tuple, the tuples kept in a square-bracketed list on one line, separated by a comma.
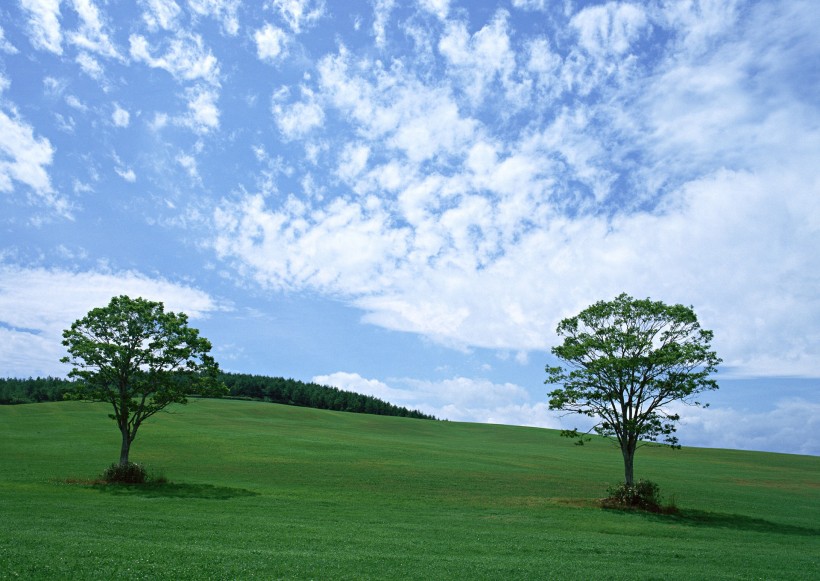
[(272, 491)]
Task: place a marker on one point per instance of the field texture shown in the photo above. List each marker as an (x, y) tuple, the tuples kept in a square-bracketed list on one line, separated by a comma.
[(267, 491)]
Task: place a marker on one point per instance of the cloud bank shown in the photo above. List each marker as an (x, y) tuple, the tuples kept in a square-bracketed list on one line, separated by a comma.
[(539, 173)]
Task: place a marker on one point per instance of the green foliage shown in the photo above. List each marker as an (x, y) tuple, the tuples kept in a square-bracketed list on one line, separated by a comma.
[(643, 494), (129, 473), (268, 491), (32, 390), (293, 392), (138, 358), (624, 362)]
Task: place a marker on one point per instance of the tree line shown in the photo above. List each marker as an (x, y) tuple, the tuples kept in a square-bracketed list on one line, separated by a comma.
[(32, 390), (240, 385), (293, 392)]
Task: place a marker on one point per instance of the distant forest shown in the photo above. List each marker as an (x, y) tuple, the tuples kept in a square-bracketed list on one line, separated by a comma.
[(240, 385)]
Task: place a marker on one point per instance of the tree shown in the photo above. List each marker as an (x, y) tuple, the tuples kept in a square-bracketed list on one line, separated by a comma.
[(140, 359), (625, 361)]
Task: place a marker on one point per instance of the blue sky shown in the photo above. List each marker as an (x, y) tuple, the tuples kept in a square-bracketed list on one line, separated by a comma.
[(404, 198)]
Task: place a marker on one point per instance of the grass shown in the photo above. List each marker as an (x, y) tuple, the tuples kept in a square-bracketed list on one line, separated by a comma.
[(268, 491)]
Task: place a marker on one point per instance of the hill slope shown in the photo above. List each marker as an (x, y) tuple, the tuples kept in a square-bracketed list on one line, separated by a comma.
[(284, 492)]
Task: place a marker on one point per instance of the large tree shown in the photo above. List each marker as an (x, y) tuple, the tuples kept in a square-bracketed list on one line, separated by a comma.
[(624, 362), (140, 359)]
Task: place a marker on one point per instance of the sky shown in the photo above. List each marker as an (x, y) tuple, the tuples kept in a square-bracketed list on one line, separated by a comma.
[(405, 198)]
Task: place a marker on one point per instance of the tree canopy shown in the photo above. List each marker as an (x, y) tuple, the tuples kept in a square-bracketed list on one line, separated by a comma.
[(624, 362), (140, 359)]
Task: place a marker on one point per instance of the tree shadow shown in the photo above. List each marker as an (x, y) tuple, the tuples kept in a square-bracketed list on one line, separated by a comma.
[(701, 518), (174, 490)]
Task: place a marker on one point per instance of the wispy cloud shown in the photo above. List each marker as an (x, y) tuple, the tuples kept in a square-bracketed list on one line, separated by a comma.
[(203, 112), (782, 424), (271, 42), (92, 35), (478, 60), (44, 24), (788, 424), (161, 14), (25, 161), (297, 119), (120, 117), (225, 11), (299, 14), (186, 58), (456, 399), (5, 45)]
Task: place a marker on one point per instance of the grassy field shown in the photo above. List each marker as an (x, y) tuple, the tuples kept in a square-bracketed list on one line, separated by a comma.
[(266, 491)]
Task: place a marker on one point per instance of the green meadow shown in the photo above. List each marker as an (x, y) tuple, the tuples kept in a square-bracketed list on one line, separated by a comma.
[(259, 490)]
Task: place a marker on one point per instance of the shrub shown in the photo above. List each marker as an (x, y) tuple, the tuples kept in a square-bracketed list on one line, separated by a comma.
[(130, 473), (643, 494)]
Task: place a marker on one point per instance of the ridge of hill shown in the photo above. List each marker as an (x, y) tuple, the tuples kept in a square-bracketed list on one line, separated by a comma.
[(240, 385)]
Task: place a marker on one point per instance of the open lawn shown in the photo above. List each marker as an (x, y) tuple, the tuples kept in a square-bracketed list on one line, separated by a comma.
[(270, 491)]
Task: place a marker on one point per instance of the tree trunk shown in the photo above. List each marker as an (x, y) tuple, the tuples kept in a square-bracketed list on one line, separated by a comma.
[(629, 465), (126, 446)]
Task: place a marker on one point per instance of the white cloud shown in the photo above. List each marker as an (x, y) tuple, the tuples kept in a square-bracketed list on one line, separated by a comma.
[(270, 42), (54, 87), (25, 159), (369, 245), (186, 58), (429, 131), (699, 24), (159, 121), (414, 119), (458, 399), (353, 161), (299, 13), (90, 66), (5, 45), (44, 24), (381, 15), (791, 424), (530, 4), (73, 102), (32, 322), (120, 117), (223, 10), (438, 7), (609, 29), (91, 36), (481, 58), (203, 113), (544, 66), (296, 120), (188, 163), (126, 174), (604, 54), (161, 14)]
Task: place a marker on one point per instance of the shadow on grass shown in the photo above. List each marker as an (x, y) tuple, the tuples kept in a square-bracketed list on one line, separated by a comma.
[(700, 518), (174, 490)]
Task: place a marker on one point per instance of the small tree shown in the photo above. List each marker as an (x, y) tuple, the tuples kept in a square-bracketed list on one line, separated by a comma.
[(625, 361), (140, 359)]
